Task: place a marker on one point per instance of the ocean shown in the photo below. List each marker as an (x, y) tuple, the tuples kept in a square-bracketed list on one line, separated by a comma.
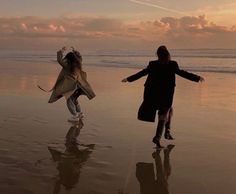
[(197, 60)]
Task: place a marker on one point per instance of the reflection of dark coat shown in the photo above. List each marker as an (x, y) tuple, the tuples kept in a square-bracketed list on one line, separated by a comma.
[(159, 87)]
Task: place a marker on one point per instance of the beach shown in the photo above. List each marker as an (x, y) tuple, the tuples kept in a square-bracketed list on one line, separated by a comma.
[(112, 152)]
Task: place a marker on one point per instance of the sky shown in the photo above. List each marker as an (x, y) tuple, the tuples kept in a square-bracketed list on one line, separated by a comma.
[(117, 25)]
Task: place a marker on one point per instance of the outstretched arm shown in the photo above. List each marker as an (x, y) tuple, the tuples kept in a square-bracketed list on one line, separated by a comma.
[(187, 75), (137, 75)]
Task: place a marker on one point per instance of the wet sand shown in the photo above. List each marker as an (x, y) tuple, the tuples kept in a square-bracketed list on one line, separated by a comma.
[(112, 152)]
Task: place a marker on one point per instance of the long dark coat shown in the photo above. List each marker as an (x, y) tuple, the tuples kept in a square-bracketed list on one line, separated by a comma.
[(159, 87)]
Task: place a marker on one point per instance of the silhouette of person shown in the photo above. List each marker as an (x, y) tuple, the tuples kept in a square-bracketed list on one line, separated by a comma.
[(70, 162), (159, 91), (71, 83), (149, 183)]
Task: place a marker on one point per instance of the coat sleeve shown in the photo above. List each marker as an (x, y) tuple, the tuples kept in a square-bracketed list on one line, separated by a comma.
[(185, 74), (138, 75), (60, 60)]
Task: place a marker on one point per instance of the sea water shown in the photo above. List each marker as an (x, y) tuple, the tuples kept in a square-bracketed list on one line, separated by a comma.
[(199, 60)]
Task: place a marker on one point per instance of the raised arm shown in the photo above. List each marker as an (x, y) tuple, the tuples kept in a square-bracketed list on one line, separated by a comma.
[(60, 59), (187, 75)]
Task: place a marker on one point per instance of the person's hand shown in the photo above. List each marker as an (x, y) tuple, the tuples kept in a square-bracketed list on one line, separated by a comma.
[(63, 49), (201, 79), (124, 80), (75, 51)]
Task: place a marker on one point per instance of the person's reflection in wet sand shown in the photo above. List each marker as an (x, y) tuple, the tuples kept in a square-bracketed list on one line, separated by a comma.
[(70, 162), (146, 175)]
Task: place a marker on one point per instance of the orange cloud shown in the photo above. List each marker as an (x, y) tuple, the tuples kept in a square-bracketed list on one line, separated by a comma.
[(197, 30)]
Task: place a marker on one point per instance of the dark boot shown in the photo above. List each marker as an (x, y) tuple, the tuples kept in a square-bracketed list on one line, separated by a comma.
[(157, 142), (167, 134), (159, 131)]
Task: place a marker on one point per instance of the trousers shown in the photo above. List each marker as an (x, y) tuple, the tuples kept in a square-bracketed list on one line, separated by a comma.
[(72, 102)]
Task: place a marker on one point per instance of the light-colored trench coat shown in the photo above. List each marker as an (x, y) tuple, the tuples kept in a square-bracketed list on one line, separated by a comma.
[(67, 83)]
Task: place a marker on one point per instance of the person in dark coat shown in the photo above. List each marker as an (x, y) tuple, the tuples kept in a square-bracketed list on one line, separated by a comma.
[(159, 91)]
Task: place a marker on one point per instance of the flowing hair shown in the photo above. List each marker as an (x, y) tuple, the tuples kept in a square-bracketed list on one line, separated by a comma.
[(163, 54), (74, 60)]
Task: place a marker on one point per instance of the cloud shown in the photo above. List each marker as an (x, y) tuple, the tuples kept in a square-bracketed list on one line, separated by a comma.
[(195, 26), (113, 32), (90, 27)]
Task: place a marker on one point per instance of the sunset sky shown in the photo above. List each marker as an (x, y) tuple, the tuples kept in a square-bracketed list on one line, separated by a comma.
[(117, 24)]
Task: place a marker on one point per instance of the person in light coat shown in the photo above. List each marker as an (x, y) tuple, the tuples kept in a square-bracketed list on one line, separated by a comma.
[(71, 82)]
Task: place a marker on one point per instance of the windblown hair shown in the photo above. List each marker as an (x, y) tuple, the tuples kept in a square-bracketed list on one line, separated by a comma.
[(163, 54), (74, 60)]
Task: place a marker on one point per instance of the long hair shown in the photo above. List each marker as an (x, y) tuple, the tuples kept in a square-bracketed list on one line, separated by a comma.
[(163, 54), (74, 61)]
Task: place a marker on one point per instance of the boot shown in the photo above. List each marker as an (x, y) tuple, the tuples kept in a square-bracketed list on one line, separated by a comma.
[(167, 134), (159, 131), (157, 142)]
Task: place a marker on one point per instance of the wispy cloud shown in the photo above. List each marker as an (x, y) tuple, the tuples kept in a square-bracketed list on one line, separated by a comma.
[(157, 6)]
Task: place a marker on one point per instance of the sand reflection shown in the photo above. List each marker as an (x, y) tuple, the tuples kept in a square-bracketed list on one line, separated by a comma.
[(145, 173), (70, 162)]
